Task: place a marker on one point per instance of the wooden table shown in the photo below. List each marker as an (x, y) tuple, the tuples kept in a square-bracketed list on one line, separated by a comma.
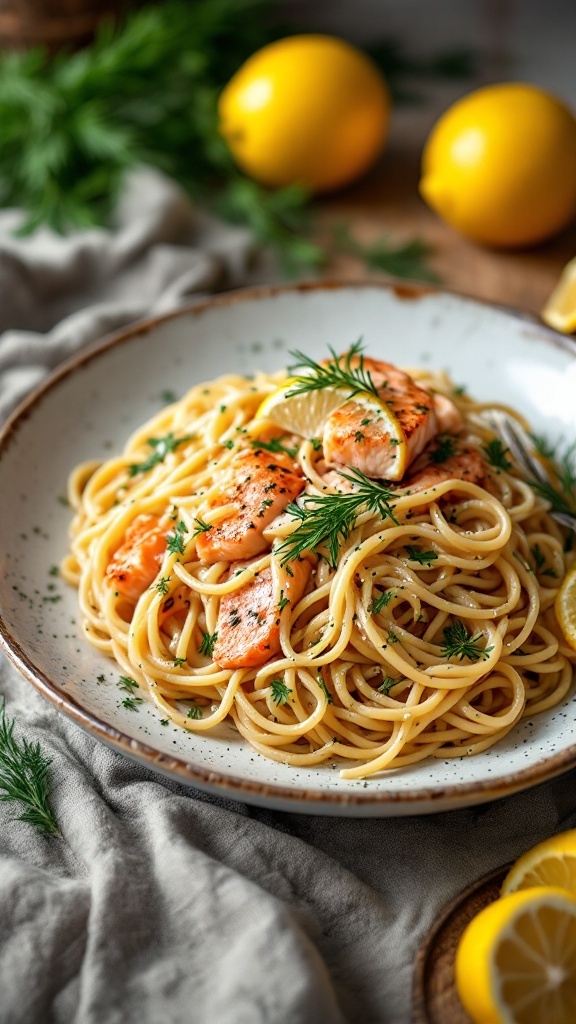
[(387, 202)]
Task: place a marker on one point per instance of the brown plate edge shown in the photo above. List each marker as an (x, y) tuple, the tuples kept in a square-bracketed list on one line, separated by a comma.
[(184, 771)]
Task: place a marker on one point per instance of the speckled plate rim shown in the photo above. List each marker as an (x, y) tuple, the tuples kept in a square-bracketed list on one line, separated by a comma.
[(239, 788)]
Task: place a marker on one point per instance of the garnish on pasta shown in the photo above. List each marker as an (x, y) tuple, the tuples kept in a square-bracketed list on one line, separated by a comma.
[(374, 595)]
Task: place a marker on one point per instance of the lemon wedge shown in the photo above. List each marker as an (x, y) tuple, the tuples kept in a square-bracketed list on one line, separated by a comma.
[(516, 961), (303, 414), (552, 862), (565, 608), (560, 310), (306, 414)]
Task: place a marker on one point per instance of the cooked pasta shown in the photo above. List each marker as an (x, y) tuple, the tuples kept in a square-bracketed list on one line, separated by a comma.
[(426, 630)]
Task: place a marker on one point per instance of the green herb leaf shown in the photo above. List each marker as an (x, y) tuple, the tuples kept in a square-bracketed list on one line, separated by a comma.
[(162, 446), (24, 777), (207, 645), (327, 694), (275, 445), (459, 644), (378, 603), (423, 557), (127, 684), (131, 703), (162, 584), (194, 712), (175, 543), (445, 446), (387, 685), (280, 692), (201, 527), (327, 519), (404, 260), (336, 372), (497, 454)]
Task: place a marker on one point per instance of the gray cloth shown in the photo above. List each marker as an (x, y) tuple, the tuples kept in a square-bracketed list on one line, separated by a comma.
[(161, 904)]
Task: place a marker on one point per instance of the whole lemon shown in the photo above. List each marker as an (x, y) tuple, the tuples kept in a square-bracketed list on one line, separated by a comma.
[(310, 109), (500, 165)]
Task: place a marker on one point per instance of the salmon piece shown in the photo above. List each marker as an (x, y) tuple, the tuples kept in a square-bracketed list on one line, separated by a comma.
[(135, 564), (449, 419), (259, 486), (248, 624), (465, 463), (353, 437)]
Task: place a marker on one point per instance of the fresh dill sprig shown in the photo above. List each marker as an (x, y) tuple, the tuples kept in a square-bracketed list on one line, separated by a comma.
[(201, 527), (280, 692), (161, 447), (459, 644), (207, 645), (336, 372), (497, 454), (282, 602), (194, 711), (24, 777), (275, 445), (423, 557), (560, 490), (326, 520), (445, 446), (380, 602)]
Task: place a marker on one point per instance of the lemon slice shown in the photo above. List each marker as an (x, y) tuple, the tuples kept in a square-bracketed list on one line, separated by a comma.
[(565, 608), (560, 310), (552, 862), (303, 414), (516, 961), (306, 414)]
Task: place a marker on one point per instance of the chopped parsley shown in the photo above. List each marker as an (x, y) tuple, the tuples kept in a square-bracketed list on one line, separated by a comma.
[(327, 694), (283, 601), (127, 684), (194, 711), (201, 527)]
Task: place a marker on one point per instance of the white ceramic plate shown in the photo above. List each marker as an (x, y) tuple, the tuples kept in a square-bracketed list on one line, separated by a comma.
[(88, 408)]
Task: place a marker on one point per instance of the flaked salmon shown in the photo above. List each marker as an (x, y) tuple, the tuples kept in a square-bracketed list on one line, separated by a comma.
[(248, 625), (135, 564), (361, 436), (259, 485)]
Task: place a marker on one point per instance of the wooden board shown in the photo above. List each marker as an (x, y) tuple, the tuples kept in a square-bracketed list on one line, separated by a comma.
[(435, 999)]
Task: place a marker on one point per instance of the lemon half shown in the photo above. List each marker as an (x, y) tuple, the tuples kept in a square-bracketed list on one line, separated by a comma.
[(517, 960), (552, 862)]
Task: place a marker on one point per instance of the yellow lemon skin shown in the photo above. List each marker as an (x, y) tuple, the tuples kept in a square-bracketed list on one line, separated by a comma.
[(309, 110), (565, 608), (487, 950), (500, 166), (552, 862)]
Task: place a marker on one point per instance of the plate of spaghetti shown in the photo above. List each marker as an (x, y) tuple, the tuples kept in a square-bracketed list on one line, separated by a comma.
[(290, 566)]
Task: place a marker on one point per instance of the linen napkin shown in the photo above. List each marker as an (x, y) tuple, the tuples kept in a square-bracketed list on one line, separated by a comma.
[(160, 903)]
